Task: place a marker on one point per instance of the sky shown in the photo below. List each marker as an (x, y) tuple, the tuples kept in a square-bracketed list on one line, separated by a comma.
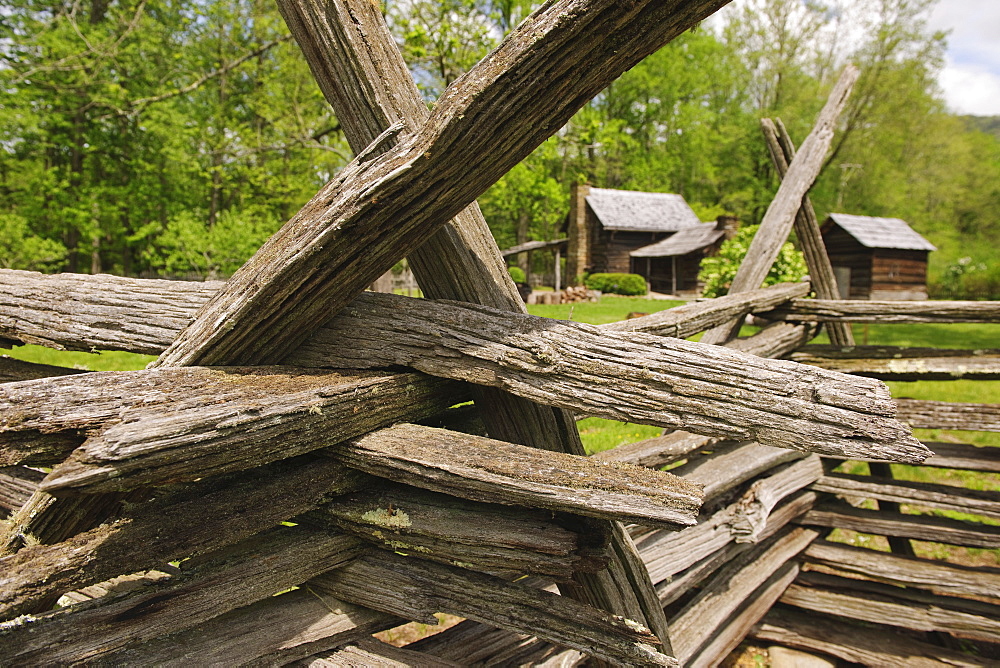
[(971, 76), (970, 79)]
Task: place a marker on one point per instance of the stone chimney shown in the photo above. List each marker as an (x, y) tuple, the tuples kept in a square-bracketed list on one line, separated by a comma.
[(728, 224), (578, 242)]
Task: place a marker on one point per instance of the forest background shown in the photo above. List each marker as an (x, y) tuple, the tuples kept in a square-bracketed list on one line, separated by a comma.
[(171, 137)]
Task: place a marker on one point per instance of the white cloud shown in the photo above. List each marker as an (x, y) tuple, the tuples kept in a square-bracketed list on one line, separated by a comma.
[(971, 89), (971, 77)]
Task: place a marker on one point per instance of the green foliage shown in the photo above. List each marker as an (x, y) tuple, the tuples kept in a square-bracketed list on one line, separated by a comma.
[(517, 274), (20, 249), (966, 279), (131, 132), (121, 118), (718, 271), (189, 247), (619, 284)]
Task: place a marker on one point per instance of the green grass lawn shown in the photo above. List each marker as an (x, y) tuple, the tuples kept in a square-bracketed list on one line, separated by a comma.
[(611, 308), (110, 360)]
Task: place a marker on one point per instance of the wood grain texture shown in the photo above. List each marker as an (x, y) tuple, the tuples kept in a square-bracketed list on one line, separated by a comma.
[(320, 351), (775, 340), (870, 645), (84, 312), (669, 553), (501, 540), (780, 215), (807, 231), (274, 631), (734, 630), (658, 451), (963, 456), (13, 370), (905, 571), (17, 484), (858, 310), (255, 570), (949, 415), (482, 469), (723, 594), (654, 380), (916, 527), (373, 653), (892, 363), (176, 525), (356, 63), (414, 589), (732, 464), (924, 494), (153, 427), (385, 207), (896, 606)]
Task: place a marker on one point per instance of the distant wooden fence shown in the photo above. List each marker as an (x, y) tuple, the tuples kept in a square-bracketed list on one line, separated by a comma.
[(297, 470)]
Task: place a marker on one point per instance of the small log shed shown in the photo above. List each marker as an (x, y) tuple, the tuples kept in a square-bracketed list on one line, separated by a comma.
[(606, 225), (672, 265), (876, 258)]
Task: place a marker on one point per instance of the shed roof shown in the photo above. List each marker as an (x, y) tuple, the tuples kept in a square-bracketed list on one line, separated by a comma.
[(683, 242), (873, 232), (631, 211)]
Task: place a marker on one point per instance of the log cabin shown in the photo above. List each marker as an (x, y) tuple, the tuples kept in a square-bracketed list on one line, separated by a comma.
[(876, 258), (606, 225), (671, 266)]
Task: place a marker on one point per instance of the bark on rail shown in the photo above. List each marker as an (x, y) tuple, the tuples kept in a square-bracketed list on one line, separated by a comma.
[(807, 229), (253, 570), (726, 592), (83, 312), (87, 312), (856, 310), (693, 317), (357, 65), (482, 469), (415, 589), (383, 208), (151, 427), (869, 645), (491, 538), (178, 525), (622, 376)]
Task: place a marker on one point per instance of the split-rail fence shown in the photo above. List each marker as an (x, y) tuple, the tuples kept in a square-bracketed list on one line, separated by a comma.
[(301, 466)]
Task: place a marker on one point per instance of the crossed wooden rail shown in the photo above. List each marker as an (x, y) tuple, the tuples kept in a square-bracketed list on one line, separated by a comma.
[(213, 443)]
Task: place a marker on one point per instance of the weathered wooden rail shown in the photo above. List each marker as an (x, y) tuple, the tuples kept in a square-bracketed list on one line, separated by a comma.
[(287, 447)]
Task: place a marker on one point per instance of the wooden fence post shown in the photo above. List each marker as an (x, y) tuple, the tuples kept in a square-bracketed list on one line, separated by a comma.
[(781, 213)]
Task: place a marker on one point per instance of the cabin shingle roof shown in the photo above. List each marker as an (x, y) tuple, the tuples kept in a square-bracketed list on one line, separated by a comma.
[(683, 242), (873, 232), (630, 211)]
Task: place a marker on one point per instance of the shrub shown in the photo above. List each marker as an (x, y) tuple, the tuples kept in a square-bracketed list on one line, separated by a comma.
[(619, 284), (517, 274), (718, 271), (966, 279)]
